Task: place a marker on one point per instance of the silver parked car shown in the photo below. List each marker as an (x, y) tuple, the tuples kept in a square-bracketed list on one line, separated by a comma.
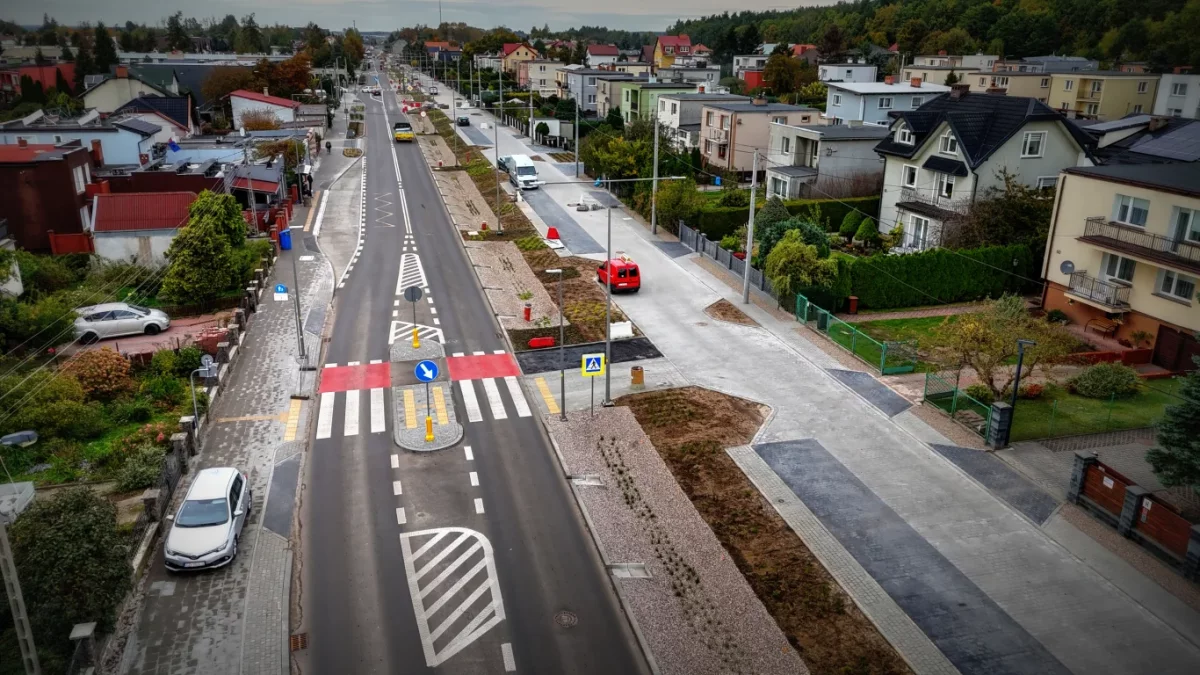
[(204, 533), (114, 319)]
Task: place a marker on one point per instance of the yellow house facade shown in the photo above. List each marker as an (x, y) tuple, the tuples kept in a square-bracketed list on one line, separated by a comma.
[(1124, 249), (514, 53), (1030, 85), (1102, 94)]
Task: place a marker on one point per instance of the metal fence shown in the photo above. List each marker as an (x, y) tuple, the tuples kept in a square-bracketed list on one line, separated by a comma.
[(711, 249), (1073, 415), (889, 358), (943, 393)]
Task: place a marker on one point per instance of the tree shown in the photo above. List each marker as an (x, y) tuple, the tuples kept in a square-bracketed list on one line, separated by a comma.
[(200, 263), (781, 73), (249, 38), (352, 45), (84, 65), (810, 234), (314, 37), (910, 36), (105, 49), (258, 120), (67, 55), (951, 78), (1012, 214), (224, 79), (793, 265), (986, 342), (222, 212), (748, 38), (60, 82), (832, 41), (71, 559), (1177, 459), (177, 37), (32, 91), (677, 200), (772, 212)]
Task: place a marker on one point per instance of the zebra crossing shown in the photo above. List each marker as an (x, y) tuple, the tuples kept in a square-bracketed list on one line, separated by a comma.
[(496, 404), (352, 412)]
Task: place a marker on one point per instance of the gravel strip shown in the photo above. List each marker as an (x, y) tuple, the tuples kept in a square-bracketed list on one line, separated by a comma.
[(696, 611), (505, 275)]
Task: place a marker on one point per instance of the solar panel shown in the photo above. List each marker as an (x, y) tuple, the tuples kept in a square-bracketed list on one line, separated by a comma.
[(1182, 144), (1122, 123)]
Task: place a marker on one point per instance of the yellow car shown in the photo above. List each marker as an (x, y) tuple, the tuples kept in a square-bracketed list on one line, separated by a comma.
[(402, 131)]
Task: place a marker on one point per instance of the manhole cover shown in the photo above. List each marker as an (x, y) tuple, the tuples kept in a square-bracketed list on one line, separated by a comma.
[(566, 619)]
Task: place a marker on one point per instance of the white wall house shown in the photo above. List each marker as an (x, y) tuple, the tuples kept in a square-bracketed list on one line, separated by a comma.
[(846, 72), (821, 161), (939, 161), (121, 143), (242, 102), (138, 226), (1178, 96), (119, 89), (871, 102), (680, 115), (746, 62)]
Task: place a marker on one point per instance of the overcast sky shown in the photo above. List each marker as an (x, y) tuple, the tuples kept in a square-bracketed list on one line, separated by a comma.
[(384, 15)]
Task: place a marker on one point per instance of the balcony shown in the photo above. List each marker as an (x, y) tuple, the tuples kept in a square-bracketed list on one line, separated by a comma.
[(1135, 241), (935, 205), (1114, 297), (718, 134)]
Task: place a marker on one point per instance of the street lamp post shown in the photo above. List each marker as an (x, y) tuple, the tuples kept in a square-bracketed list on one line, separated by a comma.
[(562, 355), (1021, 345)]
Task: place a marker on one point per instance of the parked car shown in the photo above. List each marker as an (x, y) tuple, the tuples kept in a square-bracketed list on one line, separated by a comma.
[(502, 163), (626, 276), (114, 319), (204, 532), (464, 121)]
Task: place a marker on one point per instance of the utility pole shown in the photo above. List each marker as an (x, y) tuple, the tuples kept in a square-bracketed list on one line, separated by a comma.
[(496, 137), (576, 102), (608, 311), (654, 185), (249, 185), (750, 231), (17, 603)]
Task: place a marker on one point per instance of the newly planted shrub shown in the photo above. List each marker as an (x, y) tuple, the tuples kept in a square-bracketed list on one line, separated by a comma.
[(850, 224), (1105, 380)]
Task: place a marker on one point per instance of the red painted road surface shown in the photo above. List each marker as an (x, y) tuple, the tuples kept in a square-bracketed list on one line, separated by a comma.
[(345, 378), (482, 367)]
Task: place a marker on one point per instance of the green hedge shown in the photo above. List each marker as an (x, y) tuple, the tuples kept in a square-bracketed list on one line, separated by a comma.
[(889, 281), (717, 221)]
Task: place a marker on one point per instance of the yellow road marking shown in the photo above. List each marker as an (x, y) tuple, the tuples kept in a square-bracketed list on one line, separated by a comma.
[(410, 409), (311, 210), (439, 405), (293, 420), (544, 388)]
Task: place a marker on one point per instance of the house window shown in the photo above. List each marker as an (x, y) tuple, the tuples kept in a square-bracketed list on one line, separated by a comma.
[(945, 186), (591, 98), (708, 147), (1092, 109), (708, 118), (917, 101), (1000, 82), (1174, 112), (1143, 86), (1130, 210), (779, 120), (1175, 285), (1047, 182), (917, 231), (1098, 85), (948, 144), (1033, 144), (85, 217), (725, 122), (1045, 83), (1179, 89), (983, 81), (1137, 108), (837, 99), (785, 145), (1117, 268), (80, 183), (910, 175), (816, 153), (591, 81), (721, 150), (674, 108), (904, 135), (1068, 85), (778, 186), (1187, 225), (885, 102)]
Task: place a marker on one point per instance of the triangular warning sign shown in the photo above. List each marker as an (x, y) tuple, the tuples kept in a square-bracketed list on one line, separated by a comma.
[(593, 365)]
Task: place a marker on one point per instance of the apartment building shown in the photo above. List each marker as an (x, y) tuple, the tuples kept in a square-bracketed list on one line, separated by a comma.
[(872, 102), (1047, 64), (963, 61), (1102, 94), (940, 74), (1029, 85), (539, 75), (1178, 96), (846, 72), (608, 91), (731, 132), (639, 100), (680, 115)]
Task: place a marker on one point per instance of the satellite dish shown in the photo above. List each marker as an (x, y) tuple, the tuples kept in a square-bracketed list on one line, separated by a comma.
[(1067, 267)]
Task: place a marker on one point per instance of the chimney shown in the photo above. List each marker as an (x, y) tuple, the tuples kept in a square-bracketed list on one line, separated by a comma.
[(759, 100), (957, 91), (97, 153), (700, 89), (941, 52), (916, 82), (889, 80), (122, 72), (1157, 123), (21, 143)]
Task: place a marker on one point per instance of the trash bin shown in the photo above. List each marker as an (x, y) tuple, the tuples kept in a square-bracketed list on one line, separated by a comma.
[(285, 239)]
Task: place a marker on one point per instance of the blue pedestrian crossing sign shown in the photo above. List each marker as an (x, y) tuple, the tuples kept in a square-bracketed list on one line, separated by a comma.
[(280, 288), (427, 371), (592, 365)]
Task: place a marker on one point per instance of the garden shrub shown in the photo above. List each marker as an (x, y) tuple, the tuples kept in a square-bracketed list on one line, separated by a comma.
[(1031, 391), (530, 243), (155, 433), (132, 410), (1058, 316), (888, 281), (734, 198), (980, 392), (731, 243), (717, 221), (867, 232), (103, 374), (44, 273), (187, 360), (850, 224), (164, 362), (1105, 380), (165, 391), (141, 469)]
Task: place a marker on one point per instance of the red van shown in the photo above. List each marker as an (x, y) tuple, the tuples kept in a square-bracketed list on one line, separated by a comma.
[(626, 276)]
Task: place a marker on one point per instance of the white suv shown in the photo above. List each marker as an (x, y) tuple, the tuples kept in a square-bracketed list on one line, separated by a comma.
[(204, 533)]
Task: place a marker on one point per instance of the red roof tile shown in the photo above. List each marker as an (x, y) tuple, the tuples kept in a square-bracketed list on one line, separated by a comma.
[(15, 154), (134, 211), (258, 185), (675, 40), (510, 47), (263, 98), (603, 50), (701, 49)]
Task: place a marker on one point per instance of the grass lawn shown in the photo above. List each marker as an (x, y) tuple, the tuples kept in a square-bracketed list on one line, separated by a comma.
[(1073, 414), (887, 330)]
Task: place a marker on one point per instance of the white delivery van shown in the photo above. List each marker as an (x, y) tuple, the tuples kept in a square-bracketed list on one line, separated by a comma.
[(522, 172)]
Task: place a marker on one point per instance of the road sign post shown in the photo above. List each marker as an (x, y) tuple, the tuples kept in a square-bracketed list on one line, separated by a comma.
[(426, 371), (592, 366), (413, 294)]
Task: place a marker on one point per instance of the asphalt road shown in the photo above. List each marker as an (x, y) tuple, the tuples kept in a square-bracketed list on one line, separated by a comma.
[(507, 493)]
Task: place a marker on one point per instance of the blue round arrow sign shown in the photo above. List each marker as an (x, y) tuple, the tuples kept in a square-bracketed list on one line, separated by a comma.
[(427, 371)]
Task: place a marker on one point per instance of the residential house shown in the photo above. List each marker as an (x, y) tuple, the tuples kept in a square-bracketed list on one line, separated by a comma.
[(639, 100), (115, 91), (941, 74), (20, 53), (636, 68), (174, 113), (599, 55), (1102, 94), (442, 51), (670, 47), (731, 131), (697, 74), (608, 91), (744, 62), (1145, 139), (515, 52), (242, 102), (10, 84), (46, 75), (956, 148), (138, 226), (120, 142), (679, 114), (1178, 96), (1048, 64), (185, 78), (581, 86), (1030, 85), (753, 79), (1124, 248), (42, 189), (846, 72), (873, 102), (648, 53), (984, 62), (539, 75), (560, 79), (1134, 67), (489, 61), (821, 161)]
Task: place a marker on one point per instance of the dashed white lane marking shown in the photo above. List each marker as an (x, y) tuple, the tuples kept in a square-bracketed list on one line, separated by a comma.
[(433, 310), (494, 401), (325, 416), (395, 313), (395, 461), (331, 365), (353, 363), (478, 353), (469, 400), (351, 423), (478, 505), (429, 299), (499, 351), (469, 575), (378, 418), (457, 354), (510, 664), (474, 479), (401, 519), (518, 397), (376, 361), (467, 451), (395, 303), (437, 321), (396, 489)]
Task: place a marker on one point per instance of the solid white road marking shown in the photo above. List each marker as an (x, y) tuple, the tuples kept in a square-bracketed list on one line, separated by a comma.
[(478, 505), (518, 397), (376, 361), (325, 416), (396, 489), (499, 351), (401, 519), (395, 461), (479, 353), (469, 400), (510, 664), (331, 365), (494, 401), (457, 354), (353, 363), (351, 423), (474, 479), (378, 420), (470, 455)]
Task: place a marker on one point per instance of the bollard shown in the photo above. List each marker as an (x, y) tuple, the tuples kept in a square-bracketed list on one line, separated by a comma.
[(428, 429), (484, 226), (637, 376), (416, 340), (528, 311)]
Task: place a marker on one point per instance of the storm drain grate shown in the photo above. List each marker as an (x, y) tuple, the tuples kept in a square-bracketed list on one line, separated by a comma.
[(566, 619), (299, 641), (587, 480), (629, 570)]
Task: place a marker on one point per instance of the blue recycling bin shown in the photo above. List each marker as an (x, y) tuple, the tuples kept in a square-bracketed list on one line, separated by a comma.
[(285, 239)]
